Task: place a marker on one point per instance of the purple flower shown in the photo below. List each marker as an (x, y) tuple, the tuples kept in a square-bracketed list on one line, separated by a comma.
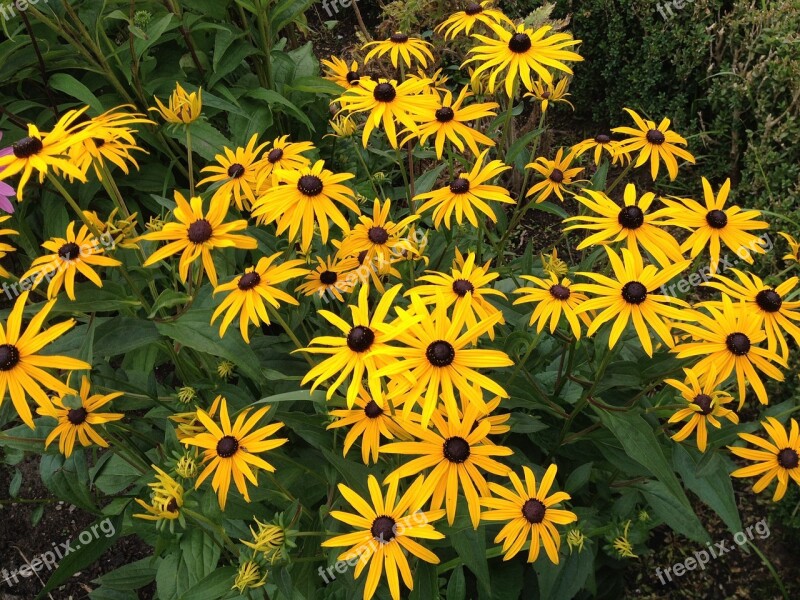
[(6, 191)]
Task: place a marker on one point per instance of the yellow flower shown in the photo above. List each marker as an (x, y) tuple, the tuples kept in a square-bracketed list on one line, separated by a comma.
[(465, 20), (557, 175), (196, 234), (528, 511), (225, 369), (183, 107), (343, 127), (21, 373), (602, 142), (339, 73), (553, 264), (188, 423), (187, 466), (249, 577), (237, 172), (284, 156), (552, 298), (575, 539), (546, 92), (4, 248), (166, 501), (794, 247), (268, 540), (332, 276), (655, 142), (623, 545), (78, 422), (400, 46), (186, 394)]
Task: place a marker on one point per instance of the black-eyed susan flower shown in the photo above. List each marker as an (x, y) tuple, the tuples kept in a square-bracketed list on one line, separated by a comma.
[(385, 530), (71, 255), (447, 122), (465, 20), (309, 196), (468, 284), (368, 421), (372, 270), (631, 222), (467, 192), (630, 297), (78, 423), (654, 142), (778, 458), (352, 355), (330, 277), (338, 71), (794, 248), (529, 512), (777, 315), (166, 499), (434, 359), (249, 292), (706, 406), (196, 234), (41, 150), (454, 452), (269, 540), (389, 104), (342, 127), (522, 53), (5, 248), (21, 365), (602, 143), (557, 175), (377, 235), (622, 543), (186, 466), (229, 450), (183, 107), (400, 46), (237, 171), (713, 223), (115, 230), (284, 156), (437, 81), (545, 92), (552, 298), (726, 338), (188, 423), (250, 576)]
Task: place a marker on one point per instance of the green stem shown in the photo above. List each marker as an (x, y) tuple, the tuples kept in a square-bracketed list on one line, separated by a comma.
[(290, 332), (71, 201), (625, 171), (532, 156), (364, 165), (190, 163), (770, 568)]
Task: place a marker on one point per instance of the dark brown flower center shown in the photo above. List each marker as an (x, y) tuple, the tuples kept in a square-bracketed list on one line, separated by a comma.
[(227, 446), (235, 171), (377, 235), (473, 8), (462, 286), (361, 257), (384, 92), (275, 155), (545, 95), (172, 505), (9, 357), (738, 344), (360, 338), (99, 142), (328, 277), (557, 176), (310, 185), (440, 353), (456, 449), (399, 38), (704, 401), (353, 77), (460, 186), (383, 529), (560, 292), (27, 147), (69, 251), (533, 510), (787, 458), (249, 280), (76, 416), (200, 231), (769, 300), (716, 219), (445, 114), (372, 410), (602, 138), (654, 136), (634, 292), (519, 43), (631, 217)]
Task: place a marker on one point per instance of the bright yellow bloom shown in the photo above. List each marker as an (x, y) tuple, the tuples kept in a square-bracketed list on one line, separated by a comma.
[(183, 107), (552, 298), (557, 175), (386, 527), (249, 293), (230, 450), (522, 52), (284, 156), (238, 173), (623, 545), (545, 92), (467, 192), (188, 423), (166, 501), (196, 234), (339, 73), (655, 142), (706, 404), (465, 20), (249, 577), (400, 46), (602, 142), (779, 458), (268, 540), (332, 276), (343, 127), (529, 512), (794, 248), (5, 248), (78, 422)]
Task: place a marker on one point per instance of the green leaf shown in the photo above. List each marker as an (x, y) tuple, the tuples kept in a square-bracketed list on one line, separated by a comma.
[(563, 581), (427, 180), (301, 395), (66, 83), (68, 478), (207, 141), (470, 544), (457, 586), (112, 474), (131, 576), (315, 85), (212, 587), (123, 334), (277, 102), (426, 583), (674, 513), (155, 30)]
